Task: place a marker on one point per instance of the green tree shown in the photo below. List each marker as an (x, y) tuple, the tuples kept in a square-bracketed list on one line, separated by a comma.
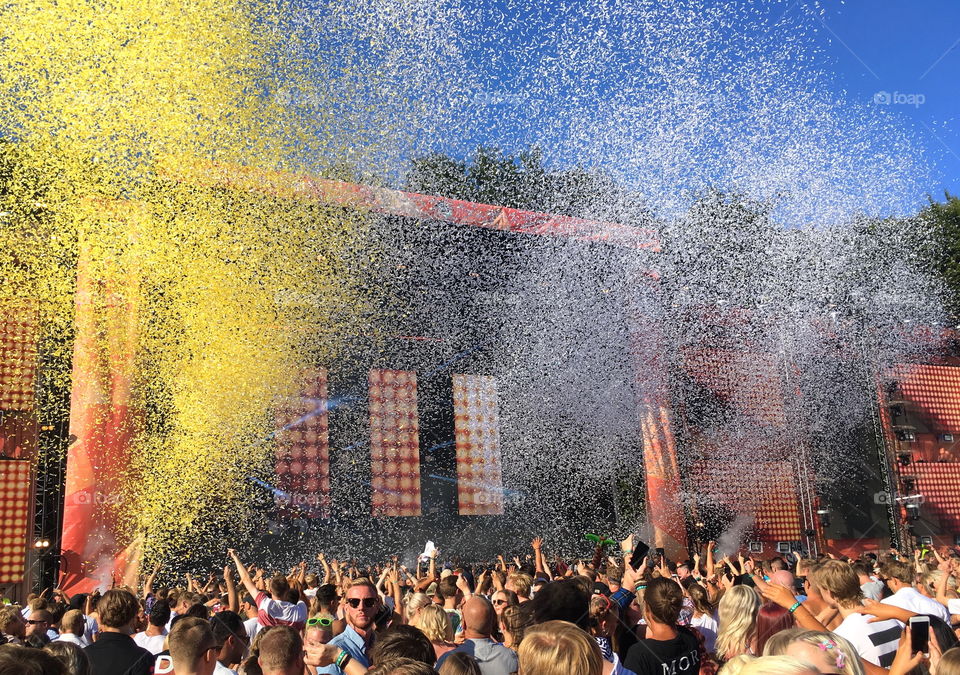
[(943, 221)]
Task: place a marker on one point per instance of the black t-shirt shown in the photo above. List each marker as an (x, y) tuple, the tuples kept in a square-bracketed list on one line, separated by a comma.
[(679, 656)]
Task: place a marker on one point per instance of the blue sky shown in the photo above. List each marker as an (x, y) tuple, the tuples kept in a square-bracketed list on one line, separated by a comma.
[(906, 52)]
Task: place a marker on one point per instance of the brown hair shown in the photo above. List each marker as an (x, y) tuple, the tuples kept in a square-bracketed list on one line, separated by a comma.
[(840, 579), (401, 667), (279, 587), (460, 663), (280, 649), (189, 639), (895, 569), (514, 621), (663, 600), (18, 660), (117, 608), (558, 648), (74, 659), (403, 642)]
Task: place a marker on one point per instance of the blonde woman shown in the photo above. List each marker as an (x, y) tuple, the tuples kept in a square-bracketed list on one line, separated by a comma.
[(779, 665), (738, 622), (433, 621), (829, 652), (415, 602), (558, 648), (736, 665)]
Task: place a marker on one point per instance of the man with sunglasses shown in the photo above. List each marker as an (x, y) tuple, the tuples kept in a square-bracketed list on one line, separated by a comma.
[(38, 624), (362, 605)]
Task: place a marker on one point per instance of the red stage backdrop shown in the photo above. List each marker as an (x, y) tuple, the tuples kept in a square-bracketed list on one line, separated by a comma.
[(394, 443), (102, 420), (476, 423), (303, 450)]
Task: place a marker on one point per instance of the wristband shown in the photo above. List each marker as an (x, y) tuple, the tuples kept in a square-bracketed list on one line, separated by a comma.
[(342, 660), (794, 607), (640, 587)]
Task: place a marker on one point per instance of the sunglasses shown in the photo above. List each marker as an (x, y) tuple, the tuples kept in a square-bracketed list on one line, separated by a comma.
[(320, 621), (35, 622), (500, 602), (367, 602)]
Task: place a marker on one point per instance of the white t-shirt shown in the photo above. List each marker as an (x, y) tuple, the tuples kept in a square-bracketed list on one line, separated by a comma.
[(152, 643), (253, 627), (874, 642), (707, 626), (912, 600), (72, 638)]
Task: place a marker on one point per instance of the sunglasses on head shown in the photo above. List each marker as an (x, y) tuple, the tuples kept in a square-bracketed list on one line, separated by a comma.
[(320, 621), (367, 602)]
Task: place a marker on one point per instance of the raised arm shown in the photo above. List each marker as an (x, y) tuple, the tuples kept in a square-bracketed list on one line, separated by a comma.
[(233, 600), (537, 545), (326, 568), (244, 575), (148, 584), (711, 568), (784, 597)]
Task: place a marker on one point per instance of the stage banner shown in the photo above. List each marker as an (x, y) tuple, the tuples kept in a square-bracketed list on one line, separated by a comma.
[(394, 443), (16, 517), (94, 550), (476, 424), (303, 450)]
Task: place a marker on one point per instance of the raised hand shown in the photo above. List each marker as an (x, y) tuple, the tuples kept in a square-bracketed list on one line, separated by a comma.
[(537, 543)]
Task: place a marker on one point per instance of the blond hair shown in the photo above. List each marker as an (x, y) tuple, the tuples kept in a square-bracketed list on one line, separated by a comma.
[(778, 665), (415, 602), (738, 621), (840, 580), (434, 623), (736, 665), (558, 648), (829, 642), (521, 583)]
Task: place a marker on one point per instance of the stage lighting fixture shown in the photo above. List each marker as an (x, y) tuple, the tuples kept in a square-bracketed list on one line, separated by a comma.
[(904, 458), (756, 547), (785, 546), (946, 438), (926, 541), (906, 435), (896, 410), (913, 511), (956, 540)]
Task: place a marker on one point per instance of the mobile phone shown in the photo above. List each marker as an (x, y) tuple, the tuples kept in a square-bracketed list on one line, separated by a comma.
[(920, 634), (660, 554), (640, 551)]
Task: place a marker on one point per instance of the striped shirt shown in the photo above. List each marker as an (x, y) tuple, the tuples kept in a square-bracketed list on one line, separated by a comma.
[(874, 642), (272, 612)]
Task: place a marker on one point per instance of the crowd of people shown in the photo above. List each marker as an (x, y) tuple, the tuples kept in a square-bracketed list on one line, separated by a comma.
[(879, 613)]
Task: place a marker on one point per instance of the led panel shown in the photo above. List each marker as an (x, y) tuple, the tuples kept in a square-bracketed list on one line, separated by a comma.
[(303, 450), (476, 422), (18, 355), (394, 443), (14, 519)]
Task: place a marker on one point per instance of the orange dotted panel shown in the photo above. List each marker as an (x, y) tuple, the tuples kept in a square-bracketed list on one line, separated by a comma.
[(394, 443), (14, 519), (765, 490), (476, 422), (303, 450), (18, 355)]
